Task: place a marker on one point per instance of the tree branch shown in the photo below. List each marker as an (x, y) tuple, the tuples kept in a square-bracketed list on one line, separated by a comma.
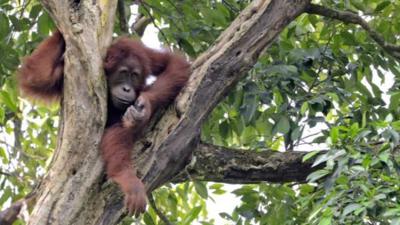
[(166, 149), (160, 214), (349, 17), (140, 25), (235, 166), (214, 74)]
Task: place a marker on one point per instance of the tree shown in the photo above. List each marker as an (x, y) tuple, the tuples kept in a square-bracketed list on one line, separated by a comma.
[(265, 74)]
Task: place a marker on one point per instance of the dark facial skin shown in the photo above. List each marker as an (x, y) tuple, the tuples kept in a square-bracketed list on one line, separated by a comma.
[(125, 82)]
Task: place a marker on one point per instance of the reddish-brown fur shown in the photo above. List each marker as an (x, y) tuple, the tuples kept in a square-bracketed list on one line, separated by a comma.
[(41, 76)]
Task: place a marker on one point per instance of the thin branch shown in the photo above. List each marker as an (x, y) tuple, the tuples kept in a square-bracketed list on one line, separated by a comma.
[(314, 83), (154, 23), (9, 215), (158, 211), (23, 8), (230, 6), (310, 135), (139, 26), (17, 135), (6, 173), (122, 17), (173, 5), (349, 17)]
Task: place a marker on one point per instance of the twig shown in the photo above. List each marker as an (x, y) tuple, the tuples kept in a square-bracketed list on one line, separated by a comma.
[(17, 135), (158, 212), (313, 84), (310, 135), (173, 5), (172, 18), (23, 7), (154, 22), (349, 17), (5, 173), (230, 6), (122, 17)]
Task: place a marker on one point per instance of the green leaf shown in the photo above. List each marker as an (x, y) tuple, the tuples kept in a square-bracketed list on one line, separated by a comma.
[(8, 101), (35, 10), (278, 97), (396, 125), (362, 135), (304, 108), (148, 220), (314, 176), (5, 195), (382, 6), (295, 134), (283, 125), (4, 26), (394, 101), (310, 155), (350, 208), (334, 135), (348, 38), (45, 24), (248, 135), (325, 221), (217, 189), (187, 47), (192, 215), (249, 108), (3, 156), (322, 158), (201, 189), (2, 115), (359, 5), (224, 129), (392, 212)]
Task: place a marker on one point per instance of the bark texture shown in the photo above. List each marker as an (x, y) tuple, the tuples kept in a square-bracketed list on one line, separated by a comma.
[(76, 168), (236, 166)]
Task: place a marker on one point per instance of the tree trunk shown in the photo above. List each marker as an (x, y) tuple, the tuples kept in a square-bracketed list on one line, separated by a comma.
[(76, 168), (74, 190)]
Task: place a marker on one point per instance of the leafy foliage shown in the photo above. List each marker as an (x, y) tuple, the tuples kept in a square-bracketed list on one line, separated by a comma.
[(322, 82), (27, 133), (322, 85)]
